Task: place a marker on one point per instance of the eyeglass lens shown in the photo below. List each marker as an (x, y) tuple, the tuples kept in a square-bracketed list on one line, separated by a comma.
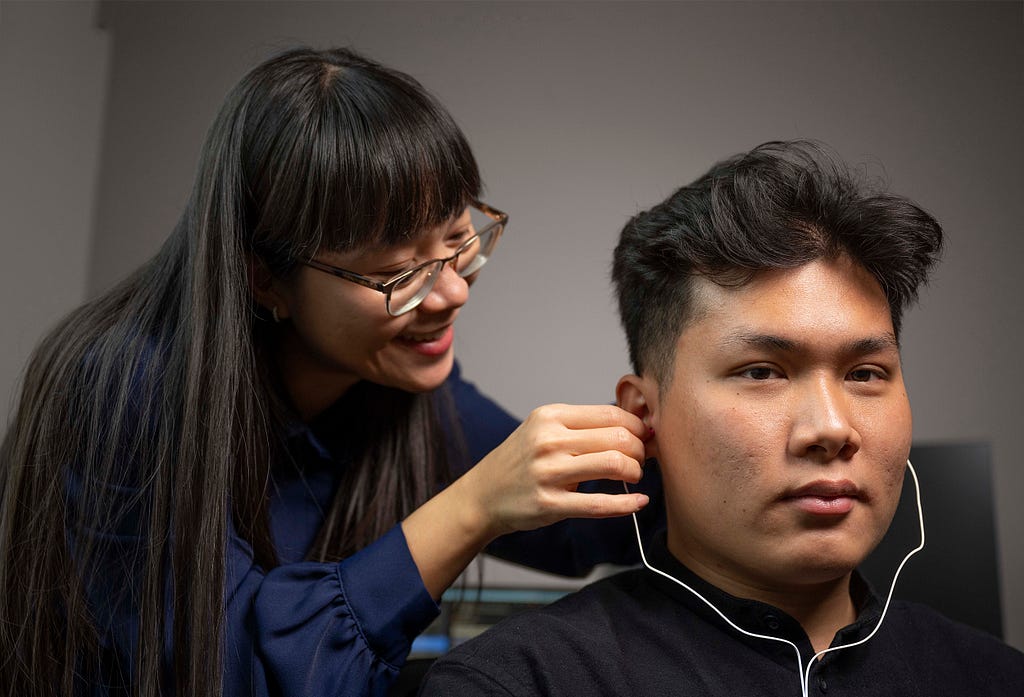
[(411, 290)]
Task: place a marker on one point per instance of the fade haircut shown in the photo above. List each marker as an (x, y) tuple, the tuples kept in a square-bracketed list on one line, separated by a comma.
[(779, 206)]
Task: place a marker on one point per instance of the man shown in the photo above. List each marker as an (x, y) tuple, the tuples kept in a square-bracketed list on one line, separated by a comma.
[(762, 305)]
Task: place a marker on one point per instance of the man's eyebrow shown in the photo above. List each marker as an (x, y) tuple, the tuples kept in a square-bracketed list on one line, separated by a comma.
[(773, 342), (874, 344), (745, 339)]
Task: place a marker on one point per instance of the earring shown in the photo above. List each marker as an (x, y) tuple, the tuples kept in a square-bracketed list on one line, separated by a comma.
[(273, 313)]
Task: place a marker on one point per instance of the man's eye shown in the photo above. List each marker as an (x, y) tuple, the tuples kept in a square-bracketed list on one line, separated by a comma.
[(760, 372), (863, 375)]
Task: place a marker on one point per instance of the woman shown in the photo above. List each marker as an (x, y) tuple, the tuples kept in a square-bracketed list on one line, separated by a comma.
[(226, 476)]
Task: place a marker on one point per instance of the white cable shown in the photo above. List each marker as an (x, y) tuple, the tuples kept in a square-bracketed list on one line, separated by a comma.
[(805, 677), (892, 586)]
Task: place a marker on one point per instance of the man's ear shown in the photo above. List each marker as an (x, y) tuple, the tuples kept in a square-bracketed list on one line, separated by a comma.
[(639, 396), (265, 292)]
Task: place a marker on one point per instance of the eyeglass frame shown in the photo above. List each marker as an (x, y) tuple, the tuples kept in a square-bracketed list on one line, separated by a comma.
[(498, 219)]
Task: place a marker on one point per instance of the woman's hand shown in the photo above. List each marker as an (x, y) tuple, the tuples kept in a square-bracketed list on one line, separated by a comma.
[(527, 482), (530, 480)]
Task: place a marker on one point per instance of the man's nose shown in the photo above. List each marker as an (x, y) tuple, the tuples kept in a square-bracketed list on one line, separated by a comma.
[(823, 428)]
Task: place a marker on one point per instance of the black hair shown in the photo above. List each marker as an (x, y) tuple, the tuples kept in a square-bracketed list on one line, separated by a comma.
[(779, 206), (149, 417), (341, 153)]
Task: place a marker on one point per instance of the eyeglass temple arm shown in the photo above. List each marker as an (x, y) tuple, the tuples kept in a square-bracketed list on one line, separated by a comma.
[(491, 212), (347, 275)]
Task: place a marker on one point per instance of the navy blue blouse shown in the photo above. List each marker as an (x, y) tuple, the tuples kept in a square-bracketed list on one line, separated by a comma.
[(345, 628)]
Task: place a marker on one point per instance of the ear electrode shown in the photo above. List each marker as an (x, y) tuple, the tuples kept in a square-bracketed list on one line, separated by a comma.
[(805, 676)]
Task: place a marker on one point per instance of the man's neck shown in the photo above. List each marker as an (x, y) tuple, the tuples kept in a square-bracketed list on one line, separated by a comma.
[(822, 609)]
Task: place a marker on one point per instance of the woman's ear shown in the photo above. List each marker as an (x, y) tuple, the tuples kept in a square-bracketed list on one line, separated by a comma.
[(265, 291), (639, 396)]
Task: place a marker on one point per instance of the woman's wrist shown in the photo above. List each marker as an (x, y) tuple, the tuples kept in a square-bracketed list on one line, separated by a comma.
[(445, 534)]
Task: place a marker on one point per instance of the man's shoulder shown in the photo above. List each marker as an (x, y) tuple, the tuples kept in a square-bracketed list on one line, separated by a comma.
[(585, 615), (542, 651), (922, 629), (921, 617)]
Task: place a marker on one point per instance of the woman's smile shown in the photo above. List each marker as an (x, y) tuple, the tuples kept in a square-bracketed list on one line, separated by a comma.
[(434, 343)]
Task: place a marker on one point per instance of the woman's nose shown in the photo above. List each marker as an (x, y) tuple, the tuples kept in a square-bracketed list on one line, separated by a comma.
[(450, 291)]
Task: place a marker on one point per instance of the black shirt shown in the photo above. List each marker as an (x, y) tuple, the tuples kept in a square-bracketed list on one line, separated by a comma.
[(637, 633)]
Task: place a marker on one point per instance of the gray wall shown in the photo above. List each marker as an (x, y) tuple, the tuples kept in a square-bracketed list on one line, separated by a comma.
[(53, 71), (581, 114)]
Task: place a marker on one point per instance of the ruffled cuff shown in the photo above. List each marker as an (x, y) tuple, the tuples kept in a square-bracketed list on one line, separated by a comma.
[(387, 596), (343, 628)]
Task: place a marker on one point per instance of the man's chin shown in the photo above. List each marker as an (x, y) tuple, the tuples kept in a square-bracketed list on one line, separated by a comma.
[(820, 569)]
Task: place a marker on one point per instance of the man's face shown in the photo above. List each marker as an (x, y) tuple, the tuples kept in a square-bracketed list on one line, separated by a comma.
[(784, 431)]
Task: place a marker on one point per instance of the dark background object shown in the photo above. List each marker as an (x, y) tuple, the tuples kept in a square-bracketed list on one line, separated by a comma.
[(957, 572)]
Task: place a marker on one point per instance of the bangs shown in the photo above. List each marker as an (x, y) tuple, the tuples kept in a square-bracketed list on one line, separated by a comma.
[(349, 154), (406, 167)]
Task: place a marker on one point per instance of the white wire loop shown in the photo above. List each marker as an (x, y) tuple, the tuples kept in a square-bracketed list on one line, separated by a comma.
[(805, 676)]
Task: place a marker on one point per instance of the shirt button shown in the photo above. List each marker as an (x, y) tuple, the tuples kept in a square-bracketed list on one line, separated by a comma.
[(822, 685), (771, 621)]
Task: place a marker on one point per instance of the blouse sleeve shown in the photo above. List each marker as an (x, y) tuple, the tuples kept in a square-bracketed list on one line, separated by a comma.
[(302, 628), (327, 629)]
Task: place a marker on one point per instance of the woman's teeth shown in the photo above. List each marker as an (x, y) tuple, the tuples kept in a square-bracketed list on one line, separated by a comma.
[(422, 338)]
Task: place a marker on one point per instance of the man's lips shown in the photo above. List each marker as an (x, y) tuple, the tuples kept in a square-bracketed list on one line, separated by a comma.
[(825, 497)]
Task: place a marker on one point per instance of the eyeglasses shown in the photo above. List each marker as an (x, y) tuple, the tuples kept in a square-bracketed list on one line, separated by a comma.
[(407, 290)]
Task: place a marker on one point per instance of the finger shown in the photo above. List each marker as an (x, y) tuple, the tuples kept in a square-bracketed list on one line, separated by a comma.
[(586, 416), (596, 440), (576, 505), (611, 464)]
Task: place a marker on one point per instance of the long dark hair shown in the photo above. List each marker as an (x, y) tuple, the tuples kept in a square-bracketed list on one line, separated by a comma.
[(149, 418)]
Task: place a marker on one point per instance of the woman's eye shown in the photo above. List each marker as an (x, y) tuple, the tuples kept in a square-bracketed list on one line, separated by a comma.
[(760, 372), (387, 271), (458, 237), (385, 276), (414, 277)]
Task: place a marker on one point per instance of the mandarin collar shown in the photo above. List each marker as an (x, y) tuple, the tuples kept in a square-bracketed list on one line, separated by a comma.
[(756, 616)]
